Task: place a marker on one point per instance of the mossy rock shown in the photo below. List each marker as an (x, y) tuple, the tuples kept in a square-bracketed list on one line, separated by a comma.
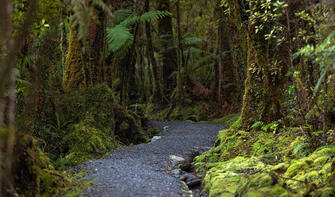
[(33, 173), (224, 178), (242, 176), (85, 142)]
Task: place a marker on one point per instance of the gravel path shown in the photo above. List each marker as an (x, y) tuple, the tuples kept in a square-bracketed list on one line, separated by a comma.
[(143, 170)]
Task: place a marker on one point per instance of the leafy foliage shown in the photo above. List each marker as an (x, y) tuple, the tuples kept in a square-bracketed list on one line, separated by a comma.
[(322, 54), (120, 37), (299, 148)]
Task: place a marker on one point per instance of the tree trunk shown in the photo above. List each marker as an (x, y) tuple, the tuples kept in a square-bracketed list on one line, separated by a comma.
[(86, 69), (157, 96), (74, 75), (220, 36), (231, 50), (236, 35), (97, 39), (129, 91), (168, 51), (266, 69), (181, 71)]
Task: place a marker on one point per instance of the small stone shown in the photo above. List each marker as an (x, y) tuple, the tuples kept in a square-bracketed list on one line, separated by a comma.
[(165, 129), (155, 138), (176, 160), (96, 170)]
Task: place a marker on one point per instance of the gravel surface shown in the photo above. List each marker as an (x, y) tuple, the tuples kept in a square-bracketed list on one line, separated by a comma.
[(143, 170)]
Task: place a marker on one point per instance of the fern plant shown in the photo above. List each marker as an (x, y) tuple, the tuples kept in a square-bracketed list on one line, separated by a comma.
[(300, 147), (120, 37)]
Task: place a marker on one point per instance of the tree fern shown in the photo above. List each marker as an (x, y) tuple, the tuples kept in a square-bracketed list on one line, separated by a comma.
[(121, 15), (120, 37)]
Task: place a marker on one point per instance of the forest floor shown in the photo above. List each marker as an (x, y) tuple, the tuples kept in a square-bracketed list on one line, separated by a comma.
[(146, 169)]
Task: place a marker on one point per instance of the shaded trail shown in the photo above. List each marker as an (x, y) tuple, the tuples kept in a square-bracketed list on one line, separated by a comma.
[(142, 170)]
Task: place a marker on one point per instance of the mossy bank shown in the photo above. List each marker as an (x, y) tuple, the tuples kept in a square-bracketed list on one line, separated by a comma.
[(266, 162)]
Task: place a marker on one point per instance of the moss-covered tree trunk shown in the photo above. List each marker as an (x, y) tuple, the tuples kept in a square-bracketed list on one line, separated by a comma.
[(266, 69), (73, 71), (85, 68), (168, 51), (97, 40), (236, 34), (181, 68), (232, 53)]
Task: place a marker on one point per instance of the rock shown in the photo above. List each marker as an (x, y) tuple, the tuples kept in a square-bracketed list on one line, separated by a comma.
[(191, 155), (187, 167), (183, 178), (165, 129), (194, 183), (155, 138), (177, 172), (176, 160)]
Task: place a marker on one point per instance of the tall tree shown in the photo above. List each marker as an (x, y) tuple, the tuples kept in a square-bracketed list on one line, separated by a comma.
[(181, 61), (11, 44), (157, 96), (74, 71), (168, 49), (266, 67), (84, 64)]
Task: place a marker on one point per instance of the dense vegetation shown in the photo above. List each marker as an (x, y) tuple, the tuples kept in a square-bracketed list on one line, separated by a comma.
[(81, 78)]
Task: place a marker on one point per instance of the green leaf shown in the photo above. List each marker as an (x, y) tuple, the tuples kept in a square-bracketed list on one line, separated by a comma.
[(322, 77), (257, 124), (118, 37), (300, 146)]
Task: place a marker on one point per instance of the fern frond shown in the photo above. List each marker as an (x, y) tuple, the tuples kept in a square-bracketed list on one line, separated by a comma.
[(121, 15), (118, 37), (192, 41), (300, 146), (150, 17), (101, 4)]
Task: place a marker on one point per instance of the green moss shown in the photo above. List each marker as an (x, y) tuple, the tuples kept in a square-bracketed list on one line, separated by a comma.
[(83, 124), (73, 69), (280, 167), (250, 176), (86, 142), (228, 120), (295, 168), (33, 173)]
